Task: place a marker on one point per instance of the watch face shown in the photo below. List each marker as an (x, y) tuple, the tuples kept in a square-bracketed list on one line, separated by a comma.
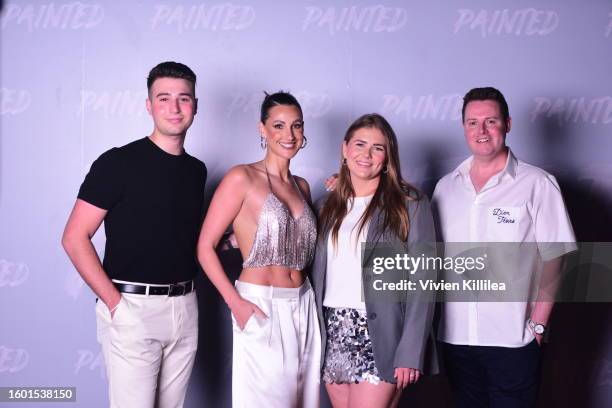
[(538, 329)]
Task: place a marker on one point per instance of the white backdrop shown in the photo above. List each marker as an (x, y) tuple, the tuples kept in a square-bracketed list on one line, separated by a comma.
[(73, 85)]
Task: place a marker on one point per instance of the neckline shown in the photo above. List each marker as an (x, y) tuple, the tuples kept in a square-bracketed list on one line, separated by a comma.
[(164, 153), (294, 219), (362, 200), (285, 206)]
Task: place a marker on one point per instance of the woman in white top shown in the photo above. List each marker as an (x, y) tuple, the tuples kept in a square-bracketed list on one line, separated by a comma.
[(371, 350)]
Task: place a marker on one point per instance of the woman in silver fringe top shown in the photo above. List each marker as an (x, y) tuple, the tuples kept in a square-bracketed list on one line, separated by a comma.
[(277, 343), (374, 344)]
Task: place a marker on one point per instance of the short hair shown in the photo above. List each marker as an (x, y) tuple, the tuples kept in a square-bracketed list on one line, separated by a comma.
[(486, 94), (171, 69), (275, 99)]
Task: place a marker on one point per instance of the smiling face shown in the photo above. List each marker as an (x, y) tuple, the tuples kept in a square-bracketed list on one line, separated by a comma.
[(283, 130), (485, 129), (172, 104), (365, 153)]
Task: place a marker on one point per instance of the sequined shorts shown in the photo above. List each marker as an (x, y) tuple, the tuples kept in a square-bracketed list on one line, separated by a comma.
[(349, 357)]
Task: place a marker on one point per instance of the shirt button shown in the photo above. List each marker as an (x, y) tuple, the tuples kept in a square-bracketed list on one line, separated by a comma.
[(372, 316)]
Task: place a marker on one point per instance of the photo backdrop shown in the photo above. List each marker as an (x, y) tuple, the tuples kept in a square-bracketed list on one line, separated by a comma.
[(73, 85)]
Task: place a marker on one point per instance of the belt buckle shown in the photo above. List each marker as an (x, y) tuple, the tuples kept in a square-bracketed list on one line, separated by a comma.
[(177, 289)]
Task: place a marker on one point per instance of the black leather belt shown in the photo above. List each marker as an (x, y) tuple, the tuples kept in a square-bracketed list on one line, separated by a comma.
[(174, 289)]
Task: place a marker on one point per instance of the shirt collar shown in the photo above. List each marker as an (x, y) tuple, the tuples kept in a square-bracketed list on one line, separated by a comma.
[(510, 168)]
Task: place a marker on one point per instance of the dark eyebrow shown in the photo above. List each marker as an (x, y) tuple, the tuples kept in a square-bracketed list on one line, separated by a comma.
[(373, 144), (168, 94), (488, 117)]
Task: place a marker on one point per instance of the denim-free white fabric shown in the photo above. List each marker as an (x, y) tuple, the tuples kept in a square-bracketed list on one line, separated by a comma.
[(149, 347), (276, 360)]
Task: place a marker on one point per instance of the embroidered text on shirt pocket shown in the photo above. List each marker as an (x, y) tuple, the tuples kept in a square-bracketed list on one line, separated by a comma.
[(503, 223)]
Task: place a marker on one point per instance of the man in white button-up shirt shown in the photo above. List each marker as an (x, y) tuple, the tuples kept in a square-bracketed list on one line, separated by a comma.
[(492, 349)]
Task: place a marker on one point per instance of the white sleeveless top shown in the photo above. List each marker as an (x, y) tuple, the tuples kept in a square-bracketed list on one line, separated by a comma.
[(343, 276)]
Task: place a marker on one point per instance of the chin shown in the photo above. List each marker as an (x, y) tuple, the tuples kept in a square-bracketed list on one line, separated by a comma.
[(285, 154), (289, 153), (173, 131), (364, 175), (481, 151)]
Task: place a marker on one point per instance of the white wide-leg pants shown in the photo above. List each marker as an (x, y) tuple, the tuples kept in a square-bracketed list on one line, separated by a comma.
[(276, 360)]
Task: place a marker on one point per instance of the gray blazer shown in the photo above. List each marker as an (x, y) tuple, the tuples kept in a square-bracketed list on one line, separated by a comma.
[(400, 331)]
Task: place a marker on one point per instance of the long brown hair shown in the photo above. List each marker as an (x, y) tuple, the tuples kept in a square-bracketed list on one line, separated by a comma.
[(390, 196)]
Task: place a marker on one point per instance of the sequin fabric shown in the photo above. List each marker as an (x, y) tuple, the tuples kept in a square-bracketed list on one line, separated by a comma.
[(281, 239), (349, 357)]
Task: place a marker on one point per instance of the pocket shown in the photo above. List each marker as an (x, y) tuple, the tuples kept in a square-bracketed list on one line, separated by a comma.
[(102, 311), (119, 310), (536, 345), (248, 323), (503, 223)]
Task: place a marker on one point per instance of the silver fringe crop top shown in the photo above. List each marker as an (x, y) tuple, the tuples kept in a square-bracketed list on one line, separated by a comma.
[(281, 239)]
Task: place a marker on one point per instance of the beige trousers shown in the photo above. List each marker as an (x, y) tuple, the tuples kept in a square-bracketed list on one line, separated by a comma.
[(276, 360), (149, 348)]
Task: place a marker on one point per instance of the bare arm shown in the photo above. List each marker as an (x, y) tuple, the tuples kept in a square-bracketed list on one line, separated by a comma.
[(82, 224), (551, 276), (224, 208)]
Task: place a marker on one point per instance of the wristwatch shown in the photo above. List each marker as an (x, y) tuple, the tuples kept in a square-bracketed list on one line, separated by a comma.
[(538, 328)]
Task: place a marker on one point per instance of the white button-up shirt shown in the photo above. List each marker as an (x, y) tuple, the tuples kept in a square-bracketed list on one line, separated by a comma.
[(522, 203)]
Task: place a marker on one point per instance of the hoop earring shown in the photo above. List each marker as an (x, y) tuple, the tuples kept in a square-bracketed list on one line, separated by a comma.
[(385, 170), (344, 161), (304, 143), (263, 142)]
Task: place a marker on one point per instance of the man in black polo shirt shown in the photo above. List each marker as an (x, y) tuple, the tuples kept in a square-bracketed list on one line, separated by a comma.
[(150, 194)]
